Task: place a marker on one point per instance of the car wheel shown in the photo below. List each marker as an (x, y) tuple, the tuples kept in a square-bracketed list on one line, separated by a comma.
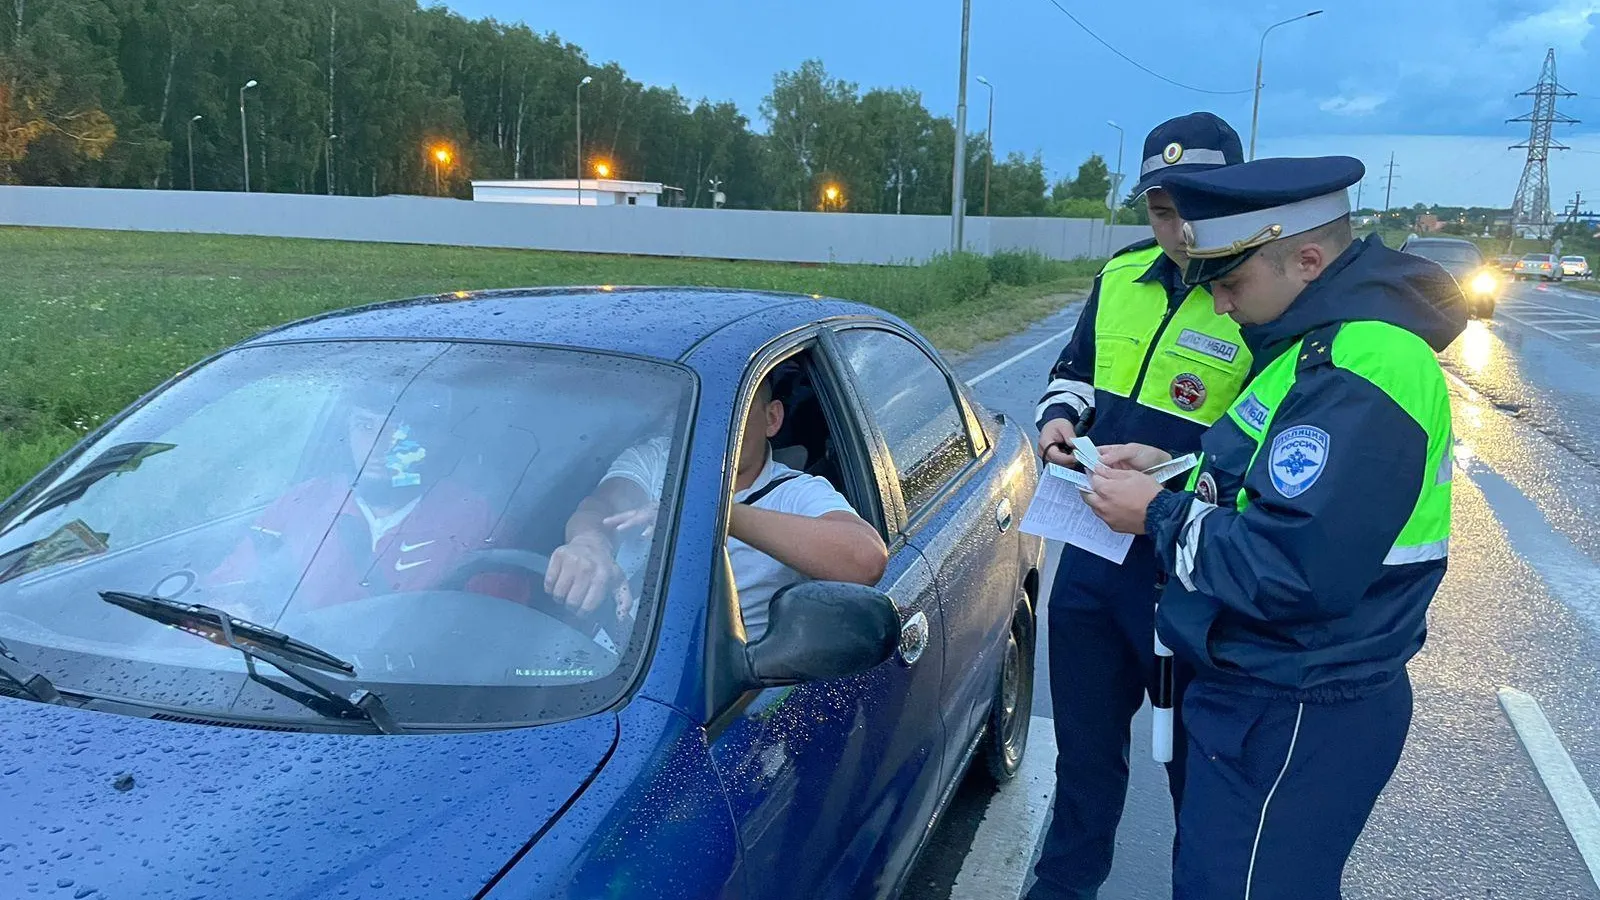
[(1486, 311), (1011, 713)]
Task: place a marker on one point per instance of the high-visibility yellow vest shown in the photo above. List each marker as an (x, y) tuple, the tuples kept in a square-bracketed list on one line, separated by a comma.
[(1189, 362)]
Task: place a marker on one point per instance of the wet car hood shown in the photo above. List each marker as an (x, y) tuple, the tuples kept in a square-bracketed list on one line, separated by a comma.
[(230, 812)]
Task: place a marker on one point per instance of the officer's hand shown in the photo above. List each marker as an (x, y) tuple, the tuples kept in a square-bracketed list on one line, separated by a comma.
[(1055, 443), (582, 574), (1137, 457), (1121, 497)]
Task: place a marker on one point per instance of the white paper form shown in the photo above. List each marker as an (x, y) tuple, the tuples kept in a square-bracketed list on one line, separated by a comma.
[(1173, 468), (1058, 512), (1164, 472)]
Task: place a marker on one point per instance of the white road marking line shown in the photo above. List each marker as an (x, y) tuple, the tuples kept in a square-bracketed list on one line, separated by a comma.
[(1576, 331), (1551, 761), (1052, 339), (1551, 319), (1519, 304), (1553, 334), (1467, 389), (1001, 857), (1545, 313)]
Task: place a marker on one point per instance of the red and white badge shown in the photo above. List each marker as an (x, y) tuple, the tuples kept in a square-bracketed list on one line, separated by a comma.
[(1188, 392), (1206, 488)]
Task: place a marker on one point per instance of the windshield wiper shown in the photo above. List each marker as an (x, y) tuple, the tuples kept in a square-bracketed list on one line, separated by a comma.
[(27, 680), (294, 658)]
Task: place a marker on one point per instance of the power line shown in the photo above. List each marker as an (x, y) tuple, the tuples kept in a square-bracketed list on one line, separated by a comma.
[(1135, 63), (1530, 210), (1388, 184)]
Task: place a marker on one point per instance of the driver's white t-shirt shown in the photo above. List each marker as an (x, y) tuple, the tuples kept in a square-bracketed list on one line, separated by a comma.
[(756, 575)]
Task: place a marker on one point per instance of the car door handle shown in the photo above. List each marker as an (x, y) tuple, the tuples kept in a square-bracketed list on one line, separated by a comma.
[(913, 638), (1002, 515)]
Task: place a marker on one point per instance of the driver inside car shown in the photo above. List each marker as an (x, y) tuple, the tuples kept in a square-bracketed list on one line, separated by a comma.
[(786, 526), (403, 522)]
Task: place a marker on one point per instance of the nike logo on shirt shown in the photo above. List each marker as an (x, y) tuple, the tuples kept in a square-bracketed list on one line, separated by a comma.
[(407, 548), (402, 566)]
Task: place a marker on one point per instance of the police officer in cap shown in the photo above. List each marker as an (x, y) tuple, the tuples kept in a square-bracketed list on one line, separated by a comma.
[(1150, 362), (1308, 545)]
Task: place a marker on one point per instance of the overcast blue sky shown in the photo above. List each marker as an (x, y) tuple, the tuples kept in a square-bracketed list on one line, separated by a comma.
[(1430, 80)]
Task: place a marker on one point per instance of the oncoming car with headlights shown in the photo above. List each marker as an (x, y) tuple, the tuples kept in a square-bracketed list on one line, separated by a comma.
[(1479, 280)]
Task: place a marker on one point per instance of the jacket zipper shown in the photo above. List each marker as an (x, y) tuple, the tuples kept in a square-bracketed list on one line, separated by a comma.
[(1150, 352)]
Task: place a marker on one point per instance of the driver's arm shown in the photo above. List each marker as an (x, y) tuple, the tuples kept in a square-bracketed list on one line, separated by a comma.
[(613, 497), (835, 546), (583, 571)]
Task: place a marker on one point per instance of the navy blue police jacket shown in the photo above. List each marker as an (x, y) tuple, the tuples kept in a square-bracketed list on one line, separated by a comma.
[(1284, 603)]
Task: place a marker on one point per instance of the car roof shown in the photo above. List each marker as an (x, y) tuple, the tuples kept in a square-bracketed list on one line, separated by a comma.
[(1573, 256), (1536, 255), (661, 322), (1440, 240)]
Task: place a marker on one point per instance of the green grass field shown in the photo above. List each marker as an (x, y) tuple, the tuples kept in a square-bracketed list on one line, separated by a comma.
[(94, 319)]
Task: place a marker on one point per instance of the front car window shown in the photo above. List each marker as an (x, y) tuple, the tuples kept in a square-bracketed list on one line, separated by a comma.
[(391, 503), (911, 400)]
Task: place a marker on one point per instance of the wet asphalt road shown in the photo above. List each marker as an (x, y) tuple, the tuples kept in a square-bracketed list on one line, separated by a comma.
[(1466, 815)]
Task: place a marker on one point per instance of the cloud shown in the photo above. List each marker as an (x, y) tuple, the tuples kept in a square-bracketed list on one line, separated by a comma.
[(1459, 169), (1357, 105), (1563, 26)]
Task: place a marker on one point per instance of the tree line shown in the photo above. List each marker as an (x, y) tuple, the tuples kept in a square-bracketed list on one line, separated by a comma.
[(357, 96)]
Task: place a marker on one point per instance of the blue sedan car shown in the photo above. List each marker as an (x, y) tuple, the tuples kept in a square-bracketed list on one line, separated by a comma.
[(281, 628)]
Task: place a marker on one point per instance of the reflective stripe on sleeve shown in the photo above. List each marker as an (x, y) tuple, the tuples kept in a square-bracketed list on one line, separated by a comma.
[(1400, 556), (1076, 394), (1189, 540)]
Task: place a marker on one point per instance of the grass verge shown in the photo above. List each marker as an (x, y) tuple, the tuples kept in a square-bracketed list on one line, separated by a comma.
[(94, 319)]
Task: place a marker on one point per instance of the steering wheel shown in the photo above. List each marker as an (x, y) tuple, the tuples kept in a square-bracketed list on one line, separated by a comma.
[(499, 559), (520, 562)]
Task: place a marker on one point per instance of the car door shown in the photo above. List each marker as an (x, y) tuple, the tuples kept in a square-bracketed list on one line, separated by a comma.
[(832, 784), (956, 511)]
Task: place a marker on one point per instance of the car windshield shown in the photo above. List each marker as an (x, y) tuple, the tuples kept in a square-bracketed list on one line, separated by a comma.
[(1538, 257), (1449, 255), (388, 502), (1572, 259)]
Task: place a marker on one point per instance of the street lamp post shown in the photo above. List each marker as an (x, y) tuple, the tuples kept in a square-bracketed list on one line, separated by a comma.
[(328, 164), (958, 182), (586, 80), (441, 158), (988, 171), (1116, 189), (244, 133), (1255, 109), (191, 149)]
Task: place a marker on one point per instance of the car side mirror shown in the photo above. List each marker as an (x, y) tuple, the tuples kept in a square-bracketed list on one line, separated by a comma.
[(818, 630)]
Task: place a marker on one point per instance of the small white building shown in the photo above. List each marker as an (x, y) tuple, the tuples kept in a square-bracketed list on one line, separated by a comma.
[(565, 192)]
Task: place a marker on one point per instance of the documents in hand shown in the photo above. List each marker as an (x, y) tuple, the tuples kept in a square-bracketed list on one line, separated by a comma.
[(1058, 511)]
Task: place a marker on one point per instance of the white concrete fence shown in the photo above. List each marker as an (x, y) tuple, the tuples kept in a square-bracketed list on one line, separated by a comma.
[(714, 234)]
